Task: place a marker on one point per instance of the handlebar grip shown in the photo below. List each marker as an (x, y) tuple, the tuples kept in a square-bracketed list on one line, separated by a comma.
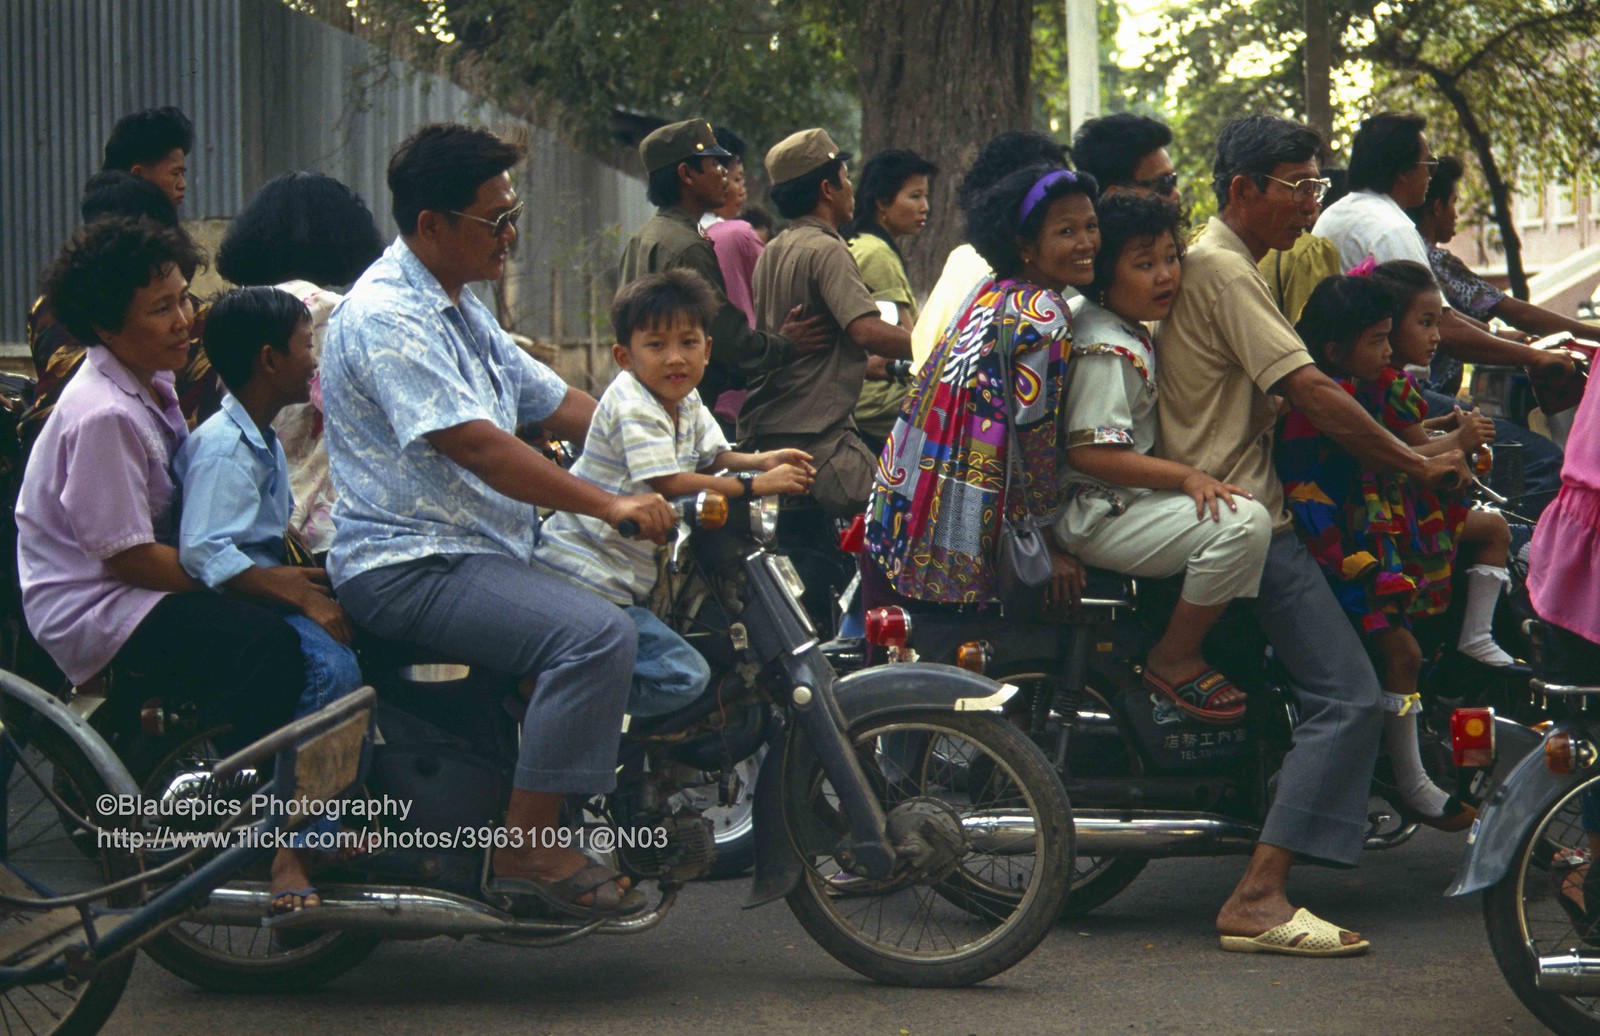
[(628, 528), (1451, 480)]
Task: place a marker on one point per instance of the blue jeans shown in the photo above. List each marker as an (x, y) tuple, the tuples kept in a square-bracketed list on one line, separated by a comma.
[(667, 673), (331, 673)]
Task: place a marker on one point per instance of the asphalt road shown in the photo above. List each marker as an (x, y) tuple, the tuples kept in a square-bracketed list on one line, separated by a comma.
[(1144, 963)]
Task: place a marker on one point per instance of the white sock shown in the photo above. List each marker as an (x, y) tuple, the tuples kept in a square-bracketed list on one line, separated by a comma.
[(1417, 791), (1484, 583)]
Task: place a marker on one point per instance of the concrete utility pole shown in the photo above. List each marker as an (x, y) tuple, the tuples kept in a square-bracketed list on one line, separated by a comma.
[(1083, 62)]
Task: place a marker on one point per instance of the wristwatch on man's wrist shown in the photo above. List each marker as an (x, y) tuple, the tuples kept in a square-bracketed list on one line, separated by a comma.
[(747, 480)]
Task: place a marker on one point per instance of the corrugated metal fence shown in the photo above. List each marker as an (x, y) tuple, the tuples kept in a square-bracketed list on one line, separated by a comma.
[(271, 91)]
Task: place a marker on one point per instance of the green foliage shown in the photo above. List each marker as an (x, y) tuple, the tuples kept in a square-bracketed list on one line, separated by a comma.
[(1527, 70), (764, 67)]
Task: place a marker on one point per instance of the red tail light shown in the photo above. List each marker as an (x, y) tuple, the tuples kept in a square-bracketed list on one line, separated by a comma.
[(1472, 737), (853, 538), (889, 627)]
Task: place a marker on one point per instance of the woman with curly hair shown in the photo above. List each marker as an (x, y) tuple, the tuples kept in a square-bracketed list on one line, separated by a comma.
[(101, 582), (933, 518), (308, 234)]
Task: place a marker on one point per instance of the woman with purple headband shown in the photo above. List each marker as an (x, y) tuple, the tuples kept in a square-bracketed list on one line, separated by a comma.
[(934, 515)]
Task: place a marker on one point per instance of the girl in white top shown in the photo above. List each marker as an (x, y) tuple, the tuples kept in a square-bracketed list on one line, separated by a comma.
[(1126, 509)]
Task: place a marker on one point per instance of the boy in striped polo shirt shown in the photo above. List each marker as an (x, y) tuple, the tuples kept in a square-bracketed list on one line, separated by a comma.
[(651, 434)]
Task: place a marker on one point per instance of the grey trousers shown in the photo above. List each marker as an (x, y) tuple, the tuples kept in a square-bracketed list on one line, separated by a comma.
[(494, 611), (1320, 810)]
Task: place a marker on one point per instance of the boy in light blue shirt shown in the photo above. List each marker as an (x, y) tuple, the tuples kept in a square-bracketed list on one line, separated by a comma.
[(234, 485)]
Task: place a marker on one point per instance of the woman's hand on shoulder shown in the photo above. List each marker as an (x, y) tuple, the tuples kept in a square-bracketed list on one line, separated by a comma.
[(1205, 490)]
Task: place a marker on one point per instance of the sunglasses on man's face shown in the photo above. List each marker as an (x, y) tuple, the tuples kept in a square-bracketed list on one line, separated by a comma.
[(1165, 184), (498, 225)]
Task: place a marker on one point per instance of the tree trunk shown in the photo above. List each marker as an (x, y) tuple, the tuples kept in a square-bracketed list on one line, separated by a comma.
[(1318, 60), (941, 77), (1499, 192)]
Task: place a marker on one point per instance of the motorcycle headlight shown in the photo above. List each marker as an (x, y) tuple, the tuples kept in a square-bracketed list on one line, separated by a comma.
[(764, 519)]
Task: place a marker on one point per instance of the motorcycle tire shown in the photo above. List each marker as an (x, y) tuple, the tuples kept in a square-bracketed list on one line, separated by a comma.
[(234, 958), (1096, 880), (1000, 903), (33, 827), (1524, 919)]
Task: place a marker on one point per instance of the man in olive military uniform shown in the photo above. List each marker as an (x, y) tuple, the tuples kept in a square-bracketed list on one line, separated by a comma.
[(687, 180), (809, 402)]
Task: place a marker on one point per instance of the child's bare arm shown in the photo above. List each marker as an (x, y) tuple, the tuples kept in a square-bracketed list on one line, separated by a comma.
[(1124, 466), (786, 479), (762, 461)]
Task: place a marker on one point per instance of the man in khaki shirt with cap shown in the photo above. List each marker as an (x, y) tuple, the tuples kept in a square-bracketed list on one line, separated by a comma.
[(1226, 354), (809, 402), (687, 180)]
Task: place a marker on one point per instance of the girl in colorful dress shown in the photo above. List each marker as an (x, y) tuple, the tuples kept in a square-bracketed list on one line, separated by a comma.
[(1126, 509), (1385, 543), (1418, 308)]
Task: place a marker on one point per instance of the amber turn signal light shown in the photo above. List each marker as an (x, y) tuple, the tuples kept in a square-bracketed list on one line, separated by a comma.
[(974, 656)]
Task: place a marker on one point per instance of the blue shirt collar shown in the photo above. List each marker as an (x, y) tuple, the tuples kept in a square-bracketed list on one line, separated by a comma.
[(247, 427), (420, 277)]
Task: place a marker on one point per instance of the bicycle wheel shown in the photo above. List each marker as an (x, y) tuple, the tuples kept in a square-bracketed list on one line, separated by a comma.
[(51, 853), (985, 863), (1539, 909), (230, 958)]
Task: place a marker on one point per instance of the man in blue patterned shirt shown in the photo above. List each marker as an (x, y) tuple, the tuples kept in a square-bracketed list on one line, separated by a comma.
[(437, 511)]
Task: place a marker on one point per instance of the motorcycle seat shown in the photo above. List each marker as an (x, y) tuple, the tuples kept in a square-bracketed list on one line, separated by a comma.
[(410, 662)]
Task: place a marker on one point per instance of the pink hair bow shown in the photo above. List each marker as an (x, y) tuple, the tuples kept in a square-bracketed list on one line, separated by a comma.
[(1364, 268)]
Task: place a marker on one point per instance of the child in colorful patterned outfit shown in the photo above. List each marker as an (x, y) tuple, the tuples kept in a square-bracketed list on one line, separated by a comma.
[(1385, 543)]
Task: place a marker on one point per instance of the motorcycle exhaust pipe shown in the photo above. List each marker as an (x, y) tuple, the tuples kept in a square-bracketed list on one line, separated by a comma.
[(1149, 833), (403, 912), (1115, 833), (1569, 974)]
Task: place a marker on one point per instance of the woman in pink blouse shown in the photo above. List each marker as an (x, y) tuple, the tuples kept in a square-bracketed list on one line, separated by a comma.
[(101, 583)]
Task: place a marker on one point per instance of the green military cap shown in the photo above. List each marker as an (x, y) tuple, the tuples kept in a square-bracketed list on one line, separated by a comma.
[(679, 142), (799, 153)]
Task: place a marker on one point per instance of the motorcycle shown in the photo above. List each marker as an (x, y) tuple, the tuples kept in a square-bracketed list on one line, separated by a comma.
[(911, 874), (1145, 780), (73, 909), (1532, 850)]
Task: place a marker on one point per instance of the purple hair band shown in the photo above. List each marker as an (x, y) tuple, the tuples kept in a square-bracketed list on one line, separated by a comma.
[(1040, 188)]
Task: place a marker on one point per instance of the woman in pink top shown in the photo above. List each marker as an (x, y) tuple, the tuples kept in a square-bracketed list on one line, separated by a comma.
[(1564, 563), (101, 583)]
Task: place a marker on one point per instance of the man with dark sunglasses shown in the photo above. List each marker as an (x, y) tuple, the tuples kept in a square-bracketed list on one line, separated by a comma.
[(1127, 152)]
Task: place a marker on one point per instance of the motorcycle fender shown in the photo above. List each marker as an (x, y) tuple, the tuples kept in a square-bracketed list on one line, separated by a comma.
[(106, 765), (871, 692), (1520, 797), (861, 696), (777, 866)]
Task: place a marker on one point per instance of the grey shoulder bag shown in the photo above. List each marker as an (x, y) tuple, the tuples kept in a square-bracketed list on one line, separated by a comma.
[(1022, 558)]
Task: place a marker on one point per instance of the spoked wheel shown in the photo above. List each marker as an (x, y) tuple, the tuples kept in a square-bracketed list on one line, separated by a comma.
[(1545, 906), (733, 825), (1098, 749), (237, 958), (984, 860), (50, 853)]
